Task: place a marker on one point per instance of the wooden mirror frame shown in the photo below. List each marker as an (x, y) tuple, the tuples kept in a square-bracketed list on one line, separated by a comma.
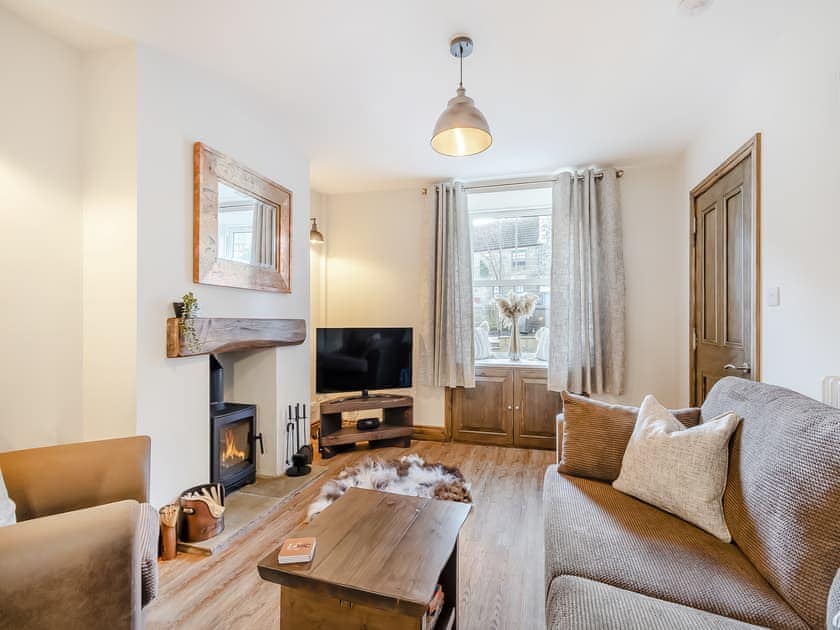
[(210, 167)]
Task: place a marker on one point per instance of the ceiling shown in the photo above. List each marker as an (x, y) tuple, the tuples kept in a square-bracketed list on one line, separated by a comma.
[(361, 83)]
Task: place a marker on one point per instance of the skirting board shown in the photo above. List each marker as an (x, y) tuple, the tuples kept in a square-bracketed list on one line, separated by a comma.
[(431, 434)]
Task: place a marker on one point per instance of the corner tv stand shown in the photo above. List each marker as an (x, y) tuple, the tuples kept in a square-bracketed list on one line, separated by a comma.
[(395, 430)]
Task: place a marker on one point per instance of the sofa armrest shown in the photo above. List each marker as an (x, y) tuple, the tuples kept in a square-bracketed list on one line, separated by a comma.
[(56, 479), (80, 569)]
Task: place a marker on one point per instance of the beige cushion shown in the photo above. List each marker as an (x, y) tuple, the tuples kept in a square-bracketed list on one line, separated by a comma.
[(595, 532), (782, 500), (596, 433), (679, 470), (833, 608), (579, 603)]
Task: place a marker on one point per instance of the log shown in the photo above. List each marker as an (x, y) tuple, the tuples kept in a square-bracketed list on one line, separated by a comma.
[(226, 334)]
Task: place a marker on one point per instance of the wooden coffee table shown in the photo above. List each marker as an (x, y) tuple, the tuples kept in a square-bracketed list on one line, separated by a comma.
[(378, 560)]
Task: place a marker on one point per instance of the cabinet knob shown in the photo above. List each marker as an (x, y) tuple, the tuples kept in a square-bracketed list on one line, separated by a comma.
[(517, 407), (510, 407)]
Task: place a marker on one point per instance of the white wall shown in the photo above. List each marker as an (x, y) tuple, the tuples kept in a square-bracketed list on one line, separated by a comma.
[(178, 105), (317, 279), (109, 124), (652, 204), (380, 268), (41, 252), (793, 99)]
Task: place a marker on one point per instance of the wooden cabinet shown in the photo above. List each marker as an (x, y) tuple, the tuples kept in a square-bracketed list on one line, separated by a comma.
[(509, 406), (484, 414)]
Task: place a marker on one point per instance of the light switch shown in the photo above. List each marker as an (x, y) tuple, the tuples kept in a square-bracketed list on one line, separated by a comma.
[(774, 296)]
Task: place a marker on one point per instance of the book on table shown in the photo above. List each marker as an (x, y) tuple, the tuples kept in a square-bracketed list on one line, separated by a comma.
[(296, 550)]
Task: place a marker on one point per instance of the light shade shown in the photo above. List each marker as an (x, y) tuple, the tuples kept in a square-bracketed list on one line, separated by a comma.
[(461, 129), (315, 235)]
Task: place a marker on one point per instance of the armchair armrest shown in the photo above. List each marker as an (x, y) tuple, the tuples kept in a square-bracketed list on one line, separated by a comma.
[(55, 479), (79, 569), (561, 422)]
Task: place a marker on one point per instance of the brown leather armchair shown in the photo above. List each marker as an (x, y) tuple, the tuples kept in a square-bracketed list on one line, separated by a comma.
[(83, 552)]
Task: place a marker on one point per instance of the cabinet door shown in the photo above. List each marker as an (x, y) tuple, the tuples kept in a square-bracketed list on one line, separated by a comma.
[(484, 414), (535, 409)]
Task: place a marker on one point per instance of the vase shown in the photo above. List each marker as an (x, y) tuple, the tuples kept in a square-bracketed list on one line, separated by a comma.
[(514, 353), (184, 313)]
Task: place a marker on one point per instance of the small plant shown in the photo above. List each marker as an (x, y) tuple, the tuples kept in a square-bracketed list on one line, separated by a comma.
[(188, 312)]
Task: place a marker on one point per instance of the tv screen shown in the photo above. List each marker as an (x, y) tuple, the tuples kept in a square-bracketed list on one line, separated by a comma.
[(361, 359)]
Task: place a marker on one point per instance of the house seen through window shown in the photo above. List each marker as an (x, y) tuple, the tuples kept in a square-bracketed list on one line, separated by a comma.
[(511, 242)]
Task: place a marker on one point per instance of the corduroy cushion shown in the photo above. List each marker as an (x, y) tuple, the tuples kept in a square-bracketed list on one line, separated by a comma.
[(782, 499), (594, 531), (595, 435), (582, 604)]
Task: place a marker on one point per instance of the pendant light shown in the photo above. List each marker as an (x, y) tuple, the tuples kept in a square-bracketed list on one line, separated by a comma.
[(315, 235), (461, 129)]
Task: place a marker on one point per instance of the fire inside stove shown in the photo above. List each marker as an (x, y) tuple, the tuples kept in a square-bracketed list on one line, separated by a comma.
[(234, 445)]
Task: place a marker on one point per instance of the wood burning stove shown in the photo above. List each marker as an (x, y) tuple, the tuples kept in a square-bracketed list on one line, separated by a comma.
[(233, 440), (233, 436)]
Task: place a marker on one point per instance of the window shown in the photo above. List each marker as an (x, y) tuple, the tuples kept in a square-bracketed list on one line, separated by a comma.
[(511, 241)]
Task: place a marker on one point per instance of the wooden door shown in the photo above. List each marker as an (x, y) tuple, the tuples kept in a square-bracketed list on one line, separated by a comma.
[(724, 328), (484, 414), (535, 409)]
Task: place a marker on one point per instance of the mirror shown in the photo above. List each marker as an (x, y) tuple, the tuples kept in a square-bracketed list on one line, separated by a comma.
[(247, 228), (242, 225)]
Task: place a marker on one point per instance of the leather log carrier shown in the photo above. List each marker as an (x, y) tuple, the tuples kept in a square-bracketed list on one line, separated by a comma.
[(197, 519)]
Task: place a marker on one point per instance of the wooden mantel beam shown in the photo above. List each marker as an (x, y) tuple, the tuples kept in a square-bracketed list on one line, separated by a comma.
[(226, 334)]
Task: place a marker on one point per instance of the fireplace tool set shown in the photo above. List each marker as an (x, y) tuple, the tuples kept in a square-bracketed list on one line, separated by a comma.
[(297, 454)]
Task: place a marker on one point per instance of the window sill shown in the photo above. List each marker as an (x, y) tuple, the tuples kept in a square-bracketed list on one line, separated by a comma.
[(505, 362)]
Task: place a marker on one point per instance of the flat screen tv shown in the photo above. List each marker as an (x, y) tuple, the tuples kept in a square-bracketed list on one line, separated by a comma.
[(362, 359)]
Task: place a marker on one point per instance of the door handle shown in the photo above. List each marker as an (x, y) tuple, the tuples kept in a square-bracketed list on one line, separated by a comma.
[(745, 369), (510, 407)]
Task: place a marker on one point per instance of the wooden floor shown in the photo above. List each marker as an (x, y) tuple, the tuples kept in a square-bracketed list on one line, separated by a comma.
[(501, 550)]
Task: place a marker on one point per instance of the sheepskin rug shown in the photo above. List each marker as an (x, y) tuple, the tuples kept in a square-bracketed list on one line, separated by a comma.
[(408, 475)]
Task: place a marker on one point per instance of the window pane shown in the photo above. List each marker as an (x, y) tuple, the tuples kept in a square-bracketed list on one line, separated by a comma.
[(511, 241), (511, 248)]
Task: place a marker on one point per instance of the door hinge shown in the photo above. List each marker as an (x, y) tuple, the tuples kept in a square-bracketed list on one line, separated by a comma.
[(694, 227), (694, 339)]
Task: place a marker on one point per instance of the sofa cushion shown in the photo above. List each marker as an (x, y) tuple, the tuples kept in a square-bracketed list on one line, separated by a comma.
[(583, 604), (782, 499), (595, 435), (595, 532), (680, 470)]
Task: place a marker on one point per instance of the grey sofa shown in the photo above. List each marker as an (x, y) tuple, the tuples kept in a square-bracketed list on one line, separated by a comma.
[(615, 562)]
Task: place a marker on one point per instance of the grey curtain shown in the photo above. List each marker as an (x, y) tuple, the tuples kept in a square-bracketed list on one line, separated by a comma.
[(587, 285), (453, 316), (263, 236)]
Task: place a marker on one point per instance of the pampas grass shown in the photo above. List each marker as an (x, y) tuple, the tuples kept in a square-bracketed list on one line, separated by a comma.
[(516, 305)]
